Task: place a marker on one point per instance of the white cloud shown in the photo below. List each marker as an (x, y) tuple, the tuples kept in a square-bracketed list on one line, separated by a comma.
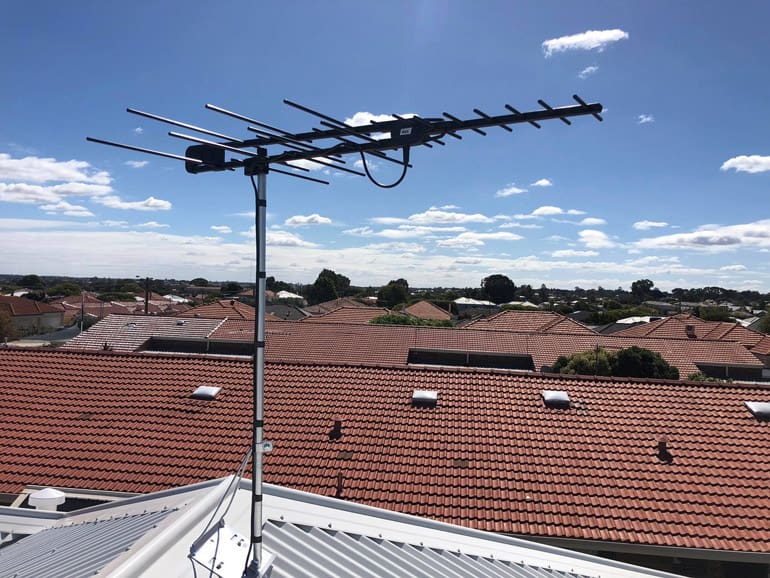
[(448, 207), (747, 164), (303, 220), (286, 239), (149, 204), (115, 224), (592, 222), (510, 190), (575, 212), (40, 170), (224, 229), (403, 231), (520, 226), (588, 71), (714, 238), (366, 118), (137, 164), (138, 130), (472, 239), (65, 208), (542, 183), (434, 216), (733, 268), (594, 239), (645, 225), (153, 225), (27, 194), (573, 253), (645, 119), (547, 210), (588, 40)]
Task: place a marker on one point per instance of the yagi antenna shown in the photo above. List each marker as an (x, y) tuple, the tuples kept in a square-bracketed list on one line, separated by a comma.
[(325, 147)]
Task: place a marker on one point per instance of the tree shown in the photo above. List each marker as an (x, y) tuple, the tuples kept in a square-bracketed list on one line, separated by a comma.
[(641, 289), (7, 330), (498, 288), (393, 293), (66, 288), (639, 362), (30, 282), (631, 362), (764, 325), (230, 288), (199, 282)]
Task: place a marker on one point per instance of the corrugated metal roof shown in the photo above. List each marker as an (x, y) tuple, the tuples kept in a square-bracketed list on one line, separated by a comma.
[(75, 550), (312, 552)]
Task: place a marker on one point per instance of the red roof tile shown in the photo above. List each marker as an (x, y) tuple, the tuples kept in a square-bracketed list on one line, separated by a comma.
[(349, 315), (127, 423), (530, 321), (327, 306), (220, 309), (20, 306), (427, 310)]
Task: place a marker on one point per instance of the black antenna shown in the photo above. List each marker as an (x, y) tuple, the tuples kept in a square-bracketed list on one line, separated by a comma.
[(326, 147)]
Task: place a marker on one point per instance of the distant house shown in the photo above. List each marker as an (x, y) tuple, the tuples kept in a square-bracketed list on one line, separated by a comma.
[(427, 310), (221, 309), (672, 474), (465, 304), (529, 321), (327, 306), (31, 317)]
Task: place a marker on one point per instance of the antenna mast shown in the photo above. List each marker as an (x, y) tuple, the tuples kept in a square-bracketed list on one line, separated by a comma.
[(274, 146)]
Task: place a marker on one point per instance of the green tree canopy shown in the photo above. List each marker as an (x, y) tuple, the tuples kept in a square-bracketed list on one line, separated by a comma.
[(498, 288), (31, 282), (394, 293), (630, 362), (199, 282)]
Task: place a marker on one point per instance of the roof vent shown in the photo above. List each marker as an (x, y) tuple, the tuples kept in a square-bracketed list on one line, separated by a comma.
[(424, 398), (555, 398), (180, 321), (46, 499), (206, 392), (690, 330), (760, 409)]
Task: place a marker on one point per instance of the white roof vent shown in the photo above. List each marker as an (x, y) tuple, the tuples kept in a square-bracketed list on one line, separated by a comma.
[(424, 398), (555, 398), (206, 392), (760, 409), (46, 499)]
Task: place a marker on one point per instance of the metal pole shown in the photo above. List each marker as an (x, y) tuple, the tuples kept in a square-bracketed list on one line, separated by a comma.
[(259, 369)]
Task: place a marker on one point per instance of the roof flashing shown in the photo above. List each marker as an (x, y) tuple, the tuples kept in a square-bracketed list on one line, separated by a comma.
[(759, 409), (206, 392), (554, 398)]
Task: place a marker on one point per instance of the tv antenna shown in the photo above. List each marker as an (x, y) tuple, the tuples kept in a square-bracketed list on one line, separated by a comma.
[(272, 147)]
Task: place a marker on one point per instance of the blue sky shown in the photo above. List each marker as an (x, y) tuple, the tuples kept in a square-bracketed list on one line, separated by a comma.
[(672, 186)]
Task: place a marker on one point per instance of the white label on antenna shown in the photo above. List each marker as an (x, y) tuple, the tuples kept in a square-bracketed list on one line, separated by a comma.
[(405, 131)]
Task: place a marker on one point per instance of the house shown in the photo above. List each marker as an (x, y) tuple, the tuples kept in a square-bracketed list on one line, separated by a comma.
[(31, 317), (465, 304), (530, 321), (229, 308), (411, 345), (349, 315), (687, 326), (327, 306), (183, 533), (427, 310), (670, 473)]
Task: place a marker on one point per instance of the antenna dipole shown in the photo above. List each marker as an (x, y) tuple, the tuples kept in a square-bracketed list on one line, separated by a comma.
[(326, 147)]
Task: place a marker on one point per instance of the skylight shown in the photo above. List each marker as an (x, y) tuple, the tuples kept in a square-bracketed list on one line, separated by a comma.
[(424, 398), (760, 409), (555, 398), (206, 392)]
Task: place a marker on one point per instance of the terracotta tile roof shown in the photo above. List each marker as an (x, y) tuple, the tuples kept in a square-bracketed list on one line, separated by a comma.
[(327, 306), (349, 315), (427, 310), (675, 327), (530, 321), (126, 422), (220, 309), (130, 332), (291, 341), (19, 306)]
